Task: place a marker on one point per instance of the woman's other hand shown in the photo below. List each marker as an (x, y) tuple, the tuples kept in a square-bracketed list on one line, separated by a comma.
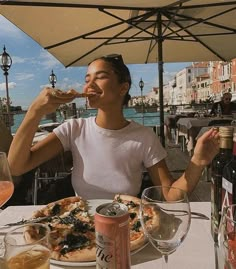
[(206, 148)]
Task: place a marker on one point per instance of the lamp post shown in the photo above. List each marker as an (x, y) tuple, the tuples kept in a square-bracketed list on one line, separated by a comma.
[(53, 79), (5, 63), (141, 85)]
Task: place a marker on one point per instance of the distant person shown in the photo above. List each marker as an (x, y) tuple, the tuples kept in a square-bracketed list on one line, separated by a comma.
[(109, 152), (226, 106)]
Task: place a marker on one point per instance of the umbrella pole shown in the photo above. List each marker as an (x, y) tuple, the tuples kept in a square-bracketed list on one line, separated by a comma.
[(160, 76)]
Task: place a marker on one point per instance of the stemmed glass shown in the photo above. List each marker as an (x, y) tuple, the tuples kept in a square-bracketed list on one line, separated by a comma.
[(6, 183), (173, 218), (227, 236)]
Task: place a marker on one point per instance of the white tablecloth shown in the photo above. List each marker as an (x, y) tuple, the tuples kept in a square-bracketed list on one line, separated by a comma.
[(196, 252)]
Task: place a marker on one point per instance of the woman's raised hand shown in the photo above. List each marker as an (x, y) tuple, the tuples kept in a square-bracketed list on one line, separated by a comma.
[(50, 99), (207, 147)]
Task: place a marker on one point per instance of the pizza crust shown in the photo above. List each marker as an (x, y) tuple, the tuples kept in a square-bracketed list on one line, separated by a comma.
[(138, 239), (127, 197), (45, 211), (138, 243)]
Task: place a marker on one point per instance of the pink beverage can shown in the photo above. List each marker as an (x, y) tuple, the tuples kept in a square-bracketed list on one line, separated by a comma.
[(112, 236)]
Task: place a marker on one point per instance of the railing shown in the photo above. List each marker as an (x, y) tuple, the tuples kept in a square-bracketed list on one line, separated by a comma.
[(225, 77)]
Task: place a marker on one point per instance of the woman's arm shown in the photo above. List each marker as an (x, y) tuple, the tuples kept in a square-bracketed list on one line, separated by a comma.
[(22, 155), (205, 150)]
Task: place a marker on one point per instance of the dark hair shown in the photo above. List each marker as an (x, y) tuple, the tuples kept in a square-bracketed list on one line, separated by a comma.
[(121, 71)]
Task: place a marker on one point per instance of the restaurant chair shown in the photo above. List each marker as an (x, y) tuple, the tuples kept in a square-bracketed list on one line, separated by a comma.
[(51, 171), (173, 127)]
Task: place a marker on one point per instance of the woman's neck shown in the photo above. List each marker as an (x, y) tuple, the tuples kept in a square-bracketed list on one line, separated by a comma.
[(113, 120)]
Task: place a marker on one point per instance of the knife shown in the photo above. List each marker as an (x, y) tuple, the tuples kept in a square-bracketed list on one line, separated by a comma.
[(23, 221)]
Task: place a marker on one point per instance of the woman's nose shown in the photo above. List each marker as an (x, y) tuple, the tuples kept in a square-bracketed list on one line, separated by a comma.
[(88, 85)]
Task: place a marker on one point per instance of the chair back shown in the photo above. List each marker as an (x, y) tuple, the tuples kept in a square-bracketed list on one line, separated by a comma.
[(47, 173)]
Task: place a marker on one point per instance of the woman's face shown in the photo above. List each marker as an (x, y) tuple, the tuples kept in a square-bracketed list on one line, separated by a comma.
[(102, 80)]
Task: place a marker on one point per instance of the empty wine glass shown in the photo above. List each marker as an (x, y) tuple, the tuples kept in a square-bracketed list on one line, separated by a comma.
[(6, 183), (173, 217), (227, 236)]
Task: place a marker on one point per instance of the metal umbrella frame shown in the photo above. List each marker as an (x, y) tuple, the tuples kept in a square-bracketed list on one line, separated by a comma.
[(143, 31)]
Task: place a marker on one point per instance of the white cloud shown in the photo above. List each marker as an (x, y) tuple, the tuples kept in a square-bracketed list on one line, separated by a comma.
[(18, 60), (47, 61), (44, 86), (7, 29), (24, 76), (11, 85), (168, 76), (65, 86)]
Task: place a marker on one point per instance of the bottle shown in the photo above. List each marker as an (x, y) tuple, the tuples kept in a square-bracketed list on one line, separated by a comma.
[(217, 165), (219, 111), (229, 178)]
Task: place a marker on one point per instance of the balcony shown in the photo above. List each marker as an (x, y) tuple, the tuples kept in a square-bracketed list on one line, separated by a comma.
[(225, 77)]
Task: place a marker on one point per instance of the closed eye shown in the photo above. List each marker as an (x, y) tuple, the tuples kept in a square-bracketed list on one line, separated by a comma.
[(98, 75)]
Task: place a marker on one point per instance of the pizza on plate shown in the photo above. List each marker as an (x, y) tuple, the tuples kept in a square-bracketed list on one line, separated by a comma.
[(72, 227), (72, 234), (137, 237)]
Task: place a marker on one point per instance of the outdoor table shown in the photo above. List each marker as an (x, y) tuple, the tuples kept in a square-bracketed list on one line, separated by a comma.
[(171, 124), (190, 127), (39, 136), (197, 250), (49, 126)]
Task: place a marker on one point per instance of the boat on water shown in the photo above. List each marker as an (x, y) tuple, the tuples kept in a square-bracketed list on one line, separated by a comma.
[(146, 109)]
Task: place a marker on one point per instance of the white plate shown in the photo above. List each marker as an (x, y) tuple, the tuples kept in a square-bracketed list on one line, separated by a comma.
[(93, 205), (73, 264)]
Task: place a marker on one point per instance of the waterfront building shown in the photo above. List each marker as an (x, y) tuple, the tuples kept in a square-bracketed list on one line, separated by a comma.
[(185, 88), (220, 73), (223, 76), (201, 88)]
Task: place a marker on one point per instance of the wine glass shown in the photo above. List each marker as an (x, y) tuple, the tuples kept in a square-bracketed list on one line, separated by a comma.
[(28, 247), (6, 183), (227, 236), (172, 221)]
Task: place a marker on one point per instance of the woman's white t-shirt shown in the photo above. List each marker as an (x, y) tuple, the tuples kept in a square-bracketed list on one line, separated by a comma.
[(106, 162)]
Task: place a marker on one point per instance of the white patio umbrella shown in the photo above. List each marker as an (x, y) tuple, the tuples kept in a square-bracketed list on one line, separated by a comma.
[(143, 31)]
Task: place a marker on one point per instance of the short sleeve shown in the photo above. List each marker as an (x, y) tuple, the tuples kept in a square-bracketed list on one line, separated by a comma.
[(63, 132), (154, 152)]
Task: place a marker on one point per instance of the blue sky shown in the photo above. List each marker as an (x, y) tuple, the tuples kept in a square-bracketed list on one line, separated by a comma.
[(32, 65)]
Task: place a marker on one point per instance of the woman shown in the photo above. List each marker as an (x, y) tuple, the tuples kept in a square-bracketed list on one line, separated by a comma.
[(109, 152)]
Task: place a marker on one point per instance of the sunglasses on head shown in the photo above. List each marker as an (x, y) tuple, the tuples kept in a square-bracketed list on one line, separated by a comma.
[(115, 57)]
